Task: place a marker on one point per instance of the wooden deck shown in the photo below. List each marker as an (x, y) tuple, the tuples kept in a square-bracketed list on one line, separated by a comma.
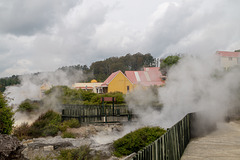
[(222, 144)]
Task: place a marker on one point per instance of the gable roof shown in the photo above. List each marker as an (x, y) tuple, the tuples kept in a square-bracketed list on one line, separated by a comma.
[(112, 76), (228, 54), (150, 76)]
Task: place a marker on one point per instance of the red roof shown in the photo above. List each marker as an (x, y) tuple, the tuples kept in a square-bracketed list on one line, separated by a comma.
[(110, 78), (228, 54), (150, 76)]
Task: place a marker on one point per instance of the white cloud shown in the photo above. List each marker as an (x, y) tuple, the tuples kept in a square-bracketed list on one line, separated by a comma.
[(59, 33)]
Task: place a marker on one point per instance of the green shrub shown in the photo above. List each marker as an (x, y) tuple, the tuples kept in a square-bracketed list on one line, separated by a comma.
[(6, 116), (65, 95), (68, 135), (50, 130), (46, 157), (27, 106), (72, 123), (22, 131), (135, 141), (63, 127), (46, 125), (81, 153)]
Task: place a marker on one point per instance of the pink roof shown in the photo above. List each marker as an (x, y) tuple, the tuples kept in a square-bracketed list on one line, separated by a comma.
[(150, 76), (228, 54), (110, 78)]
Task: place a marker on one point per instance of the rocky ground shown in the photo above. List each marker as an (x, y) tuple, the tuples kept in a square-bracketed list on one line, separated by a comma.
[(98, 137)]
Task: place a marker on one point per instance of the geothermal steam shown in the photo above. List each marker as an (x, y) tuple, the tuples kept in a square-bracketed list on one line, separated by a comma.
[(195, 84), (30, 89)]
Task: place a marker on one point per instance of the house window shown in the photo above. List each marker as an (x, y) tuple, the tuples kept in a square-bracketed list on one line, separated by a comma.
[(230, 58), (128, 88)]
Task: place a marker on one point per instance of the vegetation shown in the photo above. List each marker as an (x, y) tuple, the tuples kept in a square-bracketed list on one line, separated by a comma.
[(28, 106), (98, 70), (65, 95), (81, 153), (168, 62), (46, 125), (8, 81), (102, 69), (72, 123), (135, 141), (68, 135), (48, 157), (238, 50), (6, 116), (22, 132)]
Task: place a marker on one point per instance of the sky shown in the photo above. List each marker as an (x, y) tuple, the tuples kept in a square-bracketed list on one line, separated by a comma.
[(40, 36)]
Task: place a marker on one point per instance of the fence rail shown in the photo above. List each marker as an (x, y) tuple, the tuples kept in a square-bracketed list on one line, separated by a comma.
[(171, 145), (97, 113)]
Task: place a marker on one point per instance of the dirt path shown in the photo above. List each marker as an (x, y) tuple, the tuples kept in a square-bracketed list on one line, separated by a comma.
[(222, 144)]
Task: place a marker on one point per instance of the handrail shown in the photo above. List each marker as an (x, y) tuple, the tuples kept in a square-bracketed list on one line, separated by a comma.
[(171, 145)]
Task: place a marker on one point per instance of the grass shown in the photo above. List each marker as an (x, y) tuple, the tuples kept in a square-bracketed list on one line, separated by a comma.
[(68, 135)]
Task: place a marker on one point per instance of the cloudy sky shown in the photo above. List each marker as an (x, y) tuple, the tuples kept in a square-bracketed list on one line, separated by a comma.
[(43, 35)]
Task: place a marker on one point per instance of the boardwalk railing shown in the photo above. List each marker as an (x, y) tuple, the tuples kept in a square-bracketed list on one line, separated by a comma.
[(97, 113), (171, 145)]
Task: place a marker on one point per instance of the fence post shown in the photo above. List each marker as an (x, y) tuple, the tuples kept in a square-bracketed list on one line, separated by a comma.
[(113, 106)]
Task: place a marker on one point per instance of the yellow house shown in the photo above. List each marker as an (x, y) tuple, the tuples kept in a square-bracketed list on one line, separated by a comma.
[(44, 87), (117, 82)]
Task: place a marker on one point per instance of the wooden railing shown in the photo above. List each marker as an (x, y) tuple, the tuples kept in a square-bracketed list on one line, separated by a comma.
[(171, 145), (97, 113)]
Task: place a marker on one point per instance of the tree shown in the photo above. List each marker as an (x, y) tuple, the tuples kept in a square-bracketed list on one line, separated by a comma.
[(167, 63), (8, 81), (6, 116)]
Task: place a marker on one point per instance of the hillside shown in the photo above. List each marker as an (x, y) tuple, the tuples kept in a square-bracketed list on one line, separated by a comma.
[(98, 70)]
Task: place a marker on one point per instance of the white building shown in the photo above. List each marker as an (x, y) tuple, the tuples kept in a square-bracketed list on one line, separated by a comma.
[(229, 59), (94, 86)]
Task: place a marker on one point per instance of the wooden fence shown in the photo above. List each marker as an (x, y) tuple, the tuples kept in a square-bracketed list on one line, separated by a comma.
[(171, 145), (97, 113)]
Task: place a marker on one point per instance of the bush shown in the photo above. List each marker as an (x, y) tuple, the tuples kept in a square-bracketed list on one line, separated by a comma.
[(72, 123), (27, 106), (6, 116), (66, 95), (22, 131), (135, 141), (68, 135), (118, 95), (46, 125), (81, 153)]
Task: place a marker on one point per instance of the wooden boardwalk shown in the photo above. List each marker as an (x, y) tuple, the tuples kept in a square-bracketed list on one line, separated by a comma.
[(222, 144)]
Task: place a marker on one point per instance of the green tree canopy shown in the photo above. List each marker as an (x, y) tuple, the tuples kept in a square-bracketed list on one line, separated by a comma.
[(238, 50), (102, 69), (8, 81), (6, 116), (168, 62)]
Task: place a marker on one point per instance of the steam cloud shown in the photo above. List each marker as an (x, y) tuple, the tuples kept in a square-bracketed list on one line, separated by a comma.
[(30, 89), (195, 84)]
